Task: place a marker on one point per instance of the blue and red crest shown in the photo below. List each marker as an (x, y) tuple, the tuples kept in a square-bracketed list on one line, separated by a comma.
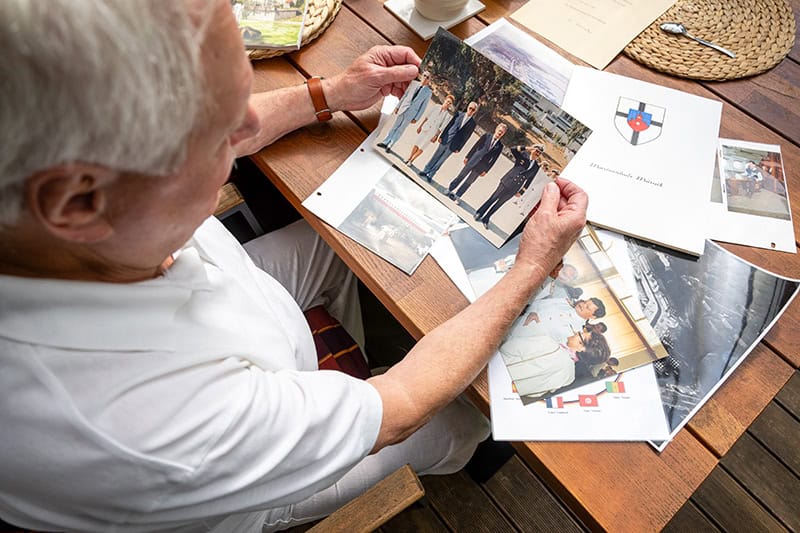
[(638, 122)]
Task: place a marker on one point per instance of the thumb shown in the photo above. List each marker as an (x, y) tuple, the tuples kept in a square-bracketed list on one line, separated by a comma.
[(550, 198)]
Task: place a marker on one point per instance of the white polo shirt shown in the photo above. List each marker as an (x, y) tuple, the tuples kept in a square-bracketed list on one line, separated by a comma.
[(168, 403)]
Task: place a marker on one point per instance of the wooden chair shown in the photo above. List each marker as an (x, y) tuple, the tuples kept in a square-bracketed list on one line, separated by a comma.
[(365, 513), (385, 500)]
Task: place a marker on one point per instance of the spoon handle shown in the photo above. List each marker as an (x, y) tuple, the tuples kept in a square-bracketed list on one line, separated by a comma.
[(712, 45)]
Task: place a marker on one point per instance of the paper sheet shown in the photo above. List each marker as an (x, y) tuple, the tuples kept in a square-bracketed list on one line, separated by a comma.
[(374, 204), (593, 30), (649, 163), (749, 197)]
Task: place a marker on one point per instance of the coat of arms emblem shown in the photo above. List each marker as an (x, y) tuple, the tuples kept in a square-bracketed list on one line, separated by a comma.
[(638, 122)]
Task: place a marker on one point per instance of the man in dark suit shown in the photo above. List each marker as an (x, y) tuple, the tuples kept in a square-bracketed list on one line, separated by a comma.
[(480, 159), (453, 138), (515, 181)]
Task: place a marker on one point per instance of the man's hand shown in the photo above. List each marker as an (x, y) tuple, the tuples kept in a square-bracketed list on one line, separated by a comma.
[(553, 227), (381, 71)]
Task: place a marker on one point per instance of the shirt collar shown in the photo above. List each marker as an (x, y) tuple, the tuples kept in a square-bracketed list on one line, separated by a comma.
[(55, 312)]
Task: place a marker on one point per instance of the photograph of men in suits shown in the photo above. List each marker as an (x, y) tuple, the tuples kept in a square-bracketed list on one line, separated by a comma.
[(480, 159), (409, 111), (515, 181), (452, 140)]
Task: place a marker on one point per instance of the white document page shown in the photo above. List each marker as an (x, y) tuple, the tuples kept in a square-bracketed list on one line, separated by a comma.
[(649, 163), (752, 211)]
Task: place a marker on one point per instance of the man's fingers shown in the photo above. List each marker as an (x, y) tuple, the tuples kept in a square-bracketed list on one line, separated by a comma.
[(398, 74), (575, 197), (549, 202), (397, 55)]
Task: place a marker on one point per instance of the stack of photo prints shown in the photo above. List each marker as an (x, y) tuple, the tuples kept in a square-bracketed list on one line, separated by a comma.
[(644, 318)]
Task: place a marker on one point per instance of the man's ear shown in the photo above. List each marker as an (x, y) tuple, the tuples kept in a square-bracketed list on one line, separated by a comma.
[(70, 201)]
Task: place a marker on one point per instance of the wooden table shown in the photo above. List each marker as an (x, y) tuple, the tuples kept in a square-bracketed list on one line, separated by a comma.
[(615, 486)]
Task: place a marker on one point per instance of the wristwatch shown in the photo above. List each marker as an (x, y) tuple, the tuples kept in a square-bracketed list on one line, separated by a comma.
[(321, 109)]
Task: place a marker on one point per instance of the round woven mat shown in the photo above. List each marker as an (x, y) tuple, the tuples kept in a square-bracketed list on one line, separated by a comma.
[(759, 32), (319, 16)]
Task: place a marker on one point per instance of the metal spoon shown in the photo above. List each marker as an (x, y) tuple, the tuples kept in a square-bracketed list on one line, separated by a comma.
[(679, 29)]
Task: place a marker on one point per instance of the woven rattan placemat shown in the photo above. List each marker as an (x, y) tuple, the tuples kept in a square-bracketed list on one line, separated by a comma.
[(759, 32), (318, 17)]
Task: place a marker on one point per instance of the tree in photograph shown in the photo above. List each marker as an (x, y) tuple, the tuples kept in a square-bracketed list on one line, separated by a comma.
[(576, 131)]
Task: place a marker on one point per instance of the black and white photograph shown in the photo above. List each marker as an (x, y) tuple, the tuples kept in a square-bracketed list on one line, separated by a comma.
[(709, 313), (478, 139), (583, 324)]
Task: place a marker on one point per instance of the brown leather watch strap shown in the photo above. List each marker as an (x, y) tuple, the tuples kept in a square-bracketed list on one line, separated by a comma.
[(321, 108)]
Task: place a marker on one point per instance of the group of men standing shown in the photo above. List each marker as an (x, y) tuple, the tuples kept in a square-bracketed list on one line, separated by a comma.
[(480, 159)]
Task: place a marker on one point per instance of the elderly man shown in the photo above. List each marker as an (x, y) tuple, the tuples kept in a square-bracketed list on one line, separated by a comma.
[(480, 160), (514, 182), (153, 377)]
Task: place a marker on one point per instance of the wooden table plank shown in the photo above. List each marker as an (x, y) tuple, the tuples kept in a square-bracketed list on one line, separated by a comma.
[(775, 486), (778, 431), (735, 405), (462, 505), (782, 338), (621, 486), (730, 506), (419, 518), (689, 518), (789, 396), (526, 501), (773, 98)]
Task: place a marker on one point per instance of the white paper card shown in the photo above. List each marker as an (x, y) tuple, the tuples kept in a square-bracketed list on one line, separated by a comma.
[(749, 197), (371, 202), (648, 165), (626, 407)]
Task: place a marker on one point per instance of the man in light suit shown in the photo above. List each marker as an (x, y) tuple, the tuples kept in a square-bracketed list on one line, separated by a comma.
[(408, 111), (453, 138), (515, 181), (480, 159)]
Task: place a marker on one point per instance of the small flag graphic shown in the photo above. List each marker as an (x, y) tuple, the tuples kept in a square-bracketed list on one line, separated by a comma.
[(587, 400), (555, 403), (615, 386)]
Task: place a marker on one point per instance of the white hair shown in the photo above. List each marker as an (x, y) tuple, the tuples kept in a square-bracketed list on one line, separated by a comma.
[(116, 83)]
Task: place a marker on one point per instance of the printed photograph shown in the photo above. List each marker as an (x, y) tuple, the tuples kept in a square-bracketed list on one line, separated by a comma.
[(709, 313), (755, 182), (478, 139), (270, 23), (583, 324), (541, 68), (398, 221)]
